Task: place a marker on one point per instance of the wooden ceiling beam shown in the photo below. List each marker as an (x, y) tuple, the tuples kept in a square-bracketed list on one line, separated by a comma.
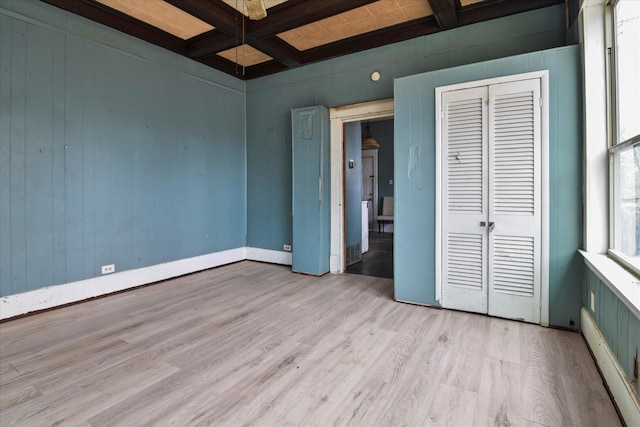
[(421, 27), (264, 69), (496, 9), (127, 24), (301, 13), (229, 21), (261, 34), (222, 64), (445, 12), (220, 15), (408, 30), (277, 49), (209, 43)]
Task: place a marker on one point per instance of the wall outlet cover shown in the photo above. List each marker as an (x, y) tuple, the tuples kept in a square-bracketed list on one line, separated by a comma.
[(108, 269), (287, 248)]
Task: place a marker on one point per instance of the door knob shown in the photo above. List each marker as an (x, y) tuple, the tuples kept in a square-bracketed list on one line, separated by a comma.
[(492, 225)]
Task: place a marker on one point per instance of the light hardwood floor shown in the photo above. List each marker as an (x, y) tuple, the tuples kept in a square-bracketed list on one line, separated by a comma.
[(254, 344)]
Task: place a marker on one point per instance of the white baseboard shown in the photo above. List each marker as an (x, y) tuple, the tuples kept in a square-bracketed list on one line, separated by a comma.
[(53, 296), (270, 256), (621, 389)]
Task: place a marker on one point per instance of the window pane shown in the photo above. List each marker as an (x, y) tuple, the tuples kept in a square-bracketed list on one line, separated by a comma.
[(627, 212), (628, 68)]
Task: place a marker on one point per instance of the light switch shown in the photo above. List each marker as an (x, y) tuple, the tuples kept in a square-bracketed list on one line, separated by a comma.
[(390, 182)]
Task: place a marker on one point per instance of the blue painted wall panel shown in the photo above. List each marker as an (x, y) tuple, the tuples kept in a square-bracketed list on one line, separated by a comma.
[(344, 81), (619, 326), (382, 131), (58, 129), (5, 150), (110, 157), (17, 198), (311, 190), (623, 347), (415, 176), (633, 348), (38, 157), (353, 183)]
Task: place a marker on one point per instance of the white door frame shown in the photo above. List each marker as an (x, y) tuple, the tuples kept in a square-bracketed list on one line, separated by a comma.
[(544, 259), (380, 109)]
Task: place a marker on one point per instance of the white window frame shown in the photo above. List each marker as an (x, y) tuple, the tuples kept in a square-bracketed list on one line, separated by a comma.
[(596, 23), (614, 145)]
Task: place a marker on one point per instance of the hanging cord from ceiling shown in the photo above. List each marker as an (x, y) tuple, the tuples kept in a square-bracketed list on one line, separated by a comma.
[(244, 5), (238, 46)]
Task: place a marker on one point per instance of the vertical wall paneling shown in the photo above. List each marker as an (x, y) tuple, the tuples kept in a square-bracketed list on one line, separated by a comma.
[(634, 346), (608, 317), (58, 142), (91, 140), (414, 176), (353, 190), (6, 40), (311, 190), (382, 131), (619, 326), (38, 172), (109, 157), (622, 345), (17, 199), (344, 81)]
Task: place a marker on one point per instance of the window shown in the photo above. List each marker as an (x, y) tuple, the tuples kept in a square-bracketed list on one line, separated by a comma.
[(624, 151)]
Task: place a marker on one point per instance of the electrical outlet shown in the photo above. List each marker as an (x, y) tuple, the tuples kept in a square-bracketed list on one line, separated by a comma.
[(107, 269), (593, 302), (287, 248)]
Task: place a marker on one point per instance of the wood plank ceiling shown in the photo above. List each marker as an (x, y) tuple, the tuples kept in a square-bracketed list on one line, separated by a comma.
[(294, 33)]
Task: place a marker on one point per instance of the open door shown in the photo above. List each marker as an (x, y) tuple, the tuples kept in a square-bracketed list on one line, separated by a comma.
[(353, 192), (311, 208)]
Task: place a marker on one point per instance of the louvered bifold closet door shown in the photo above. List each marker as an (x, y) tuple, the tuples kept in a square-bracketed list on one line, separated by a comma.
[(514, 200), (464, 199)]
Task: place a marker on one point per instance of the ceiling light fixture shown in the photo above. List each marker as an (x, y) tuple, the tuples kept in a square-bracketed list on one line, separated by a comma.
[(368, 142), (256, 9)]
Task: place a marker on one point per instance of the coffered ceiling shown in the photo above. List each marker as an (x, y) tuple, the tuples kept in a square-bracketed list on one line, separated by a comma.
[(218, 33)]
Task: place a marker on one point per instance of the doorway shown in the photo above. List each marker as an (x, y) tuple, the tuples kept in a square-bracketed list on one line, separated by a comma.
[(382, 109), (377, 184)]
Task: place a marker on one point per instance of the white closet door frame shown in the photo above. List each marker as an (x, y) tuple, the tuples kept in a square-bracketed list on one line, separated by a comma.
[(544, 91)]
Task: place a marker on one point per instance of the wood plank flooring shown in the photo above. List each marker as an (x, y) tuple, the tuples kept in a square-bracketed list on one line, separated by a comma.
[(254, 344)]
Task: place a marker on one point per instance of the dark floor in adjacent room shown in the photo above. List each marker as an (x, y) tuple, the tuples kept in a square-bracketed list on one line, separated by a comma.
[(378, 261)]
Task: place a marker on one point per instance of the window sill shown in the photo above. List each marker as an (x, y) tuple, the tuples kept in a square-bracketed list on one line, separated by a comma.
[(621, 282)]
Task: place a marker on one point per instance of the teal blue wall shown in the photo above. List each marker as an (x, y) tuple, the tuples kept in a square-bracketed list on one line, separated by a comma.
[(619, 326), (353, 183), (116, 151), (132, 158), (345, 81), (415, 176), (382, 131)]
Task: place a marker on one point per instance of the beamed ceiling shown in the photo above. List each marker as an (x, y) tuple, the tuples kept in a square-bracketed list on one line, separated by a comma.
[(294, 33)]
